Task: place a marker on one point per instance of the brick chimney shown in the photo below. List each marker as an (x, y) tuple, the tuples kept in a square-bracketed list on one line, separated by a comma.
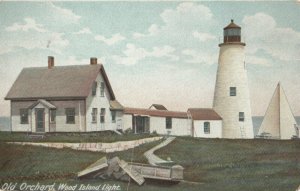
[(93, 61), (50, 62)]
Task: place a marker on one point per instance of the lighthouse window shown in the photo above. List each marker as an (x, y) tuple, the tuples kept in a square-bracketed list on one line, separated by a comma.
[(207, 127), (225, 32), (232, 91), (241, 116)]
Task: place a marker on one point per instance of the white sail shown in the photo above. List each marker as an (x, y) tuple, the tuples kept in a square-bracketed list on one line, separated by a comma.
[(279, 121)]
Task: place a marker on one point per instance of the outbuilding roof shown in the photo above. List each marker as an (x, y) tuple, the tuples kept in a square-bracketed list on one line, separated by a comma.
[(158, 107), (58, 82), (204, 114), (156, 113), (115, 105)]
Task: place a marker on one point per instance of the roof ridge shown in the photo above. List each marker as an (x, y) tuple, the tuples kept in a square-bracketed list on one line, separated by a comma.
[(153, 110), (46, 67)]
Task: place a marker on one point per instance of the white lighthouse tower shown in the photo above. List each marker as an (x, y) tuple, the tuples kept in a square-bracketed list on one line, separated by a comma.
[(231, 98)]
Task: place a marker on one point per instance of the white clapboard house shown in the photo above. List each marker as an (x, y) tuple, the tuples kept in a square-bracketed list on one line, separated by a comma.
[(76, 98)]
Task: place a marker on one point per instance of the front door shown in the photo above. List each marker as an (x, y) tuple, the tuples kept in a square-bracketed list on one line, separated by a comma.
[(40, 119)]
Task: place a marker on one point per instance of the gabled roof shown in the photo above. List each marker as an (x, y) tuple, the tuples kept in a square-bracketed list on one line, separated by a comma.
[(204, 114), (56, 83), (279, 120), (44, 103), (156, 113), (158, 107)]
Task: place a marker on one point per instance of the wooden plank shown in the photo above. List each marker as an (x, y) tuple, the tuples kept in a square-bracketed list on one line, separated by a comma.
[(136, 176), (98, 165)]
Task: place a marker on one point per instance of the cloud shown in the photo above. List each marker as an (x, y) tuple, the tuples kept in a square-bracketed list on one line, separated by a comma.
[(85, 30), (52, 41), (183, 19), (251, 59), (153, 30), (72, 60), (110, 41), (135, 54), (200, 57), (56, 42), (63, 14), (180, 26), (186, 16), (263, 34), (29, 34), (203, 36), (30, 24)]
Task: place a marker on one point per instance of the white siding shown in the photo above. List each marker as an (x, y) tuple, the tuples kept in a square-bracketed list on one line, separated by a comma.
[(97, 101), (158, 124), (215, 129), (60, 123), (127, 121), (232, 73), (179, 126), (17, 126), (119, 120), (15, 116)]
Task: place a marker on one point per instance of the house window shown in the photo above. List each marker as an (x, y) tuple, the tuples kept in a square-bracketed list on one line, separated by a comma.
[(94, 88), (24, 116), (168, 122), (70, 115), (102, 115), (207, 127), (241, 116), (52, 115), (232, 91), (113, 116), (102, 89), (94, 115)]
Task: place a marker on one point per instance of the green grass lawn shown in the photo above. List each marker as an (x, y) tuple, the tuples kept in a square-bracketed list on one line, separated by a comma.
[(104, 136), (227, 165), (39, 163), (237, 164)]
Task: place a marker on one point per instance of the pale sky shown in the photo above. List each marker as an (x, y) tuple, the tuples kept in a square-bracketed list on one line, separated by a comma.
[(155, 52)]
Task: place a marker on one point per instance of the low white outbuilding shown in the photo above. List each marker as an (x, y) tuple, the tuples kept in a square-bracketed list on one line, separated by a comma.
[(205, 123), (163, 122), (196, 122)]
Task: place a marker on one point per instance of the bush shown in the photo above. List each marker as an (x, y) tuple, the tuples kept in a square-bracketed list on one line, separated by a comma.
[(128, 131)]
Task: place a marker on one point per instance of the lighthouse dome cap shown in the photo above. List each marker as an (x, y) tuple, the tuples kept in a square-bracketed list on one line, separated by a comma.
[(232, 25)]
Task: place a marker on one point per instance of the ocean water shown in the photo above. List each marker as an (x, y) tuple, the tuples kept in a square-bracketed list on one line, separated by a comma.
[(4, 123), (257, 120)]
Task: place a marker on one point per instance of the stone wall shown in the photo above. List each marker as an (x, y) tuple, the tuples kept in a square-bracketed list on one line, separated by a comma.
[(96, 147)]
